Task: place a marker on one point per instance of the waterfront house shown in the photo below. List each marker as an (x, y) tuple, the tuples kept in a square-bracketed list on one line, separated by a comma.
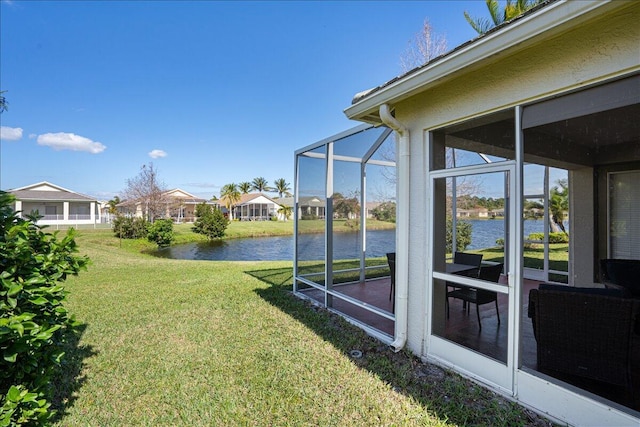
[(253, 207), (558, 87), (178, 205), (56, 205)]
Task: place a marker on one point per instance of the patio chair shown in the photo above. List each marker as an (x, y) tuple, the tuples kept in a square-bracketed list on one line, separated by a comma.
[(490, 273), (466, 259), (391, 260)]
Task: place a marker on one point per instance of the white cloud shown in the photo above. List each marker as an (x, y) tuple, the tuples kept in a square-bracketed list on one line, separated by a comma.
[(10, 134), (156, 154), (70, 141)]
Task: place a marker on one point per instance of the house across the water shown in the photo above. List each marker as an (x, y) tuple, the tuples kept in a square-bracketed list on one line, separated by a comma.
[(56, 205)]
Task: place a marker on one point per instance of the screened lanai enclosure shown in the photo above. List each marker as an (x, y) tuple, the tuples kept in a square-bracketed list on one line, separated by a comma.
[(351, 176), (351, 179)]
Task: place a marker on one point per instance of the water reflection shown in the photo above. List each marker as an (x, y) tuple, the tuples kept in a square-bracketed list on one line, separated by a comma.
[(345, 246)]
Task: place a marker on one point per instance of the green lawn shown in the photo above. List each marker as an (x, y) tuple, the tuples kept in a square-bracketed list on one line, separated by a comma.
[(173, 342)]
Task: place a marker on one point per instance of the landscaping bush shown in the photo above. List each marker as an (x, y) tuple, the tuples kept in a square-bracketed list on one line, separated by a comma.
[(127, 227), (161, 232), (211, 222), (385, 212), (463, 235), (553, 237), (34, 323)]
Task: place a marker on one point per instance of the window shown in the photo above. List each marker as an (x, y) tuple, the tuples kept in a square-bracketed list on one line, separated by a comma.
[(624, 215)]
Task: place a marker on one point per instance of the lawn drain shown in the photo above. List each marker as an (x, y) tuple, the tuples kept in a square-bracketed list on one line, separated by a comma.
[(356, 354)]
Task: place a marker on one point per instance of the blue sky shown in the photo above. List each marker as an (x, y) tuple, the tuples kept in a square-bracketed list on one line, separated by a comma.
[(210, 92)]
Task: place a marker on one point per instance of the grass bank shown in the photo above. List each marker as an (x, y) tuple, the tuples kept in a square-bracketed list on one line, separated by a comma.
[(172, 342)]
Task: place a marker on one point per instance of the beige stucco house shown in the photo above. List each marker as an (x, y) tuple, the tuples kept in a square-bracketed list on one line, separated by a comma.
[(178, 205), (558, 87)]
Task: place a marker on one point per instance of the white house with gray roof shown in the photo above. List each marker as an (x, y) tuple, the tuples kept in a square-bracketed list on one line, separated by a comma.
[(56, 205)]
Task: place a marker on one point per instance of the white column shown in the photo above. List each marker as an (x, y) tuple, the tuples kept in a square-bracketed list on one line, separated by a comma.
[(65, 211)]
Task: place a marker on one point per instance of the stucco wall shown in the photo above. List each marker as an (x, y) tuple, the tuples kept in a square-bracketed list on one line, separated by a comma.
[(602, 48)]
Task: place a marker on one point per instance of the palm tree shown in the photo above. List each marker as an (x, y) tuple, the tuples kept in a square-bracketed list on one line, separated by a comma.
[(285, 211), (113, 210), (559, 203), (4, 105), (260, 185), (512, 9), (231, 195), (282, 187), (245, 187)]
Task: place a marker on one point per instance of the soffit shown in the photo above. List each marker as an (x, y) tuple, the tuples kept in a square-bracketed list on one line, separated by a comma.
[(547, 22)]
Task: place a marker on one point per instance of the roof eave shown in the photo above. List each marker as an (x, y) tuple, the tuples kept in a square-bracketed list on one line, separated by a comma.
[(549, 20)]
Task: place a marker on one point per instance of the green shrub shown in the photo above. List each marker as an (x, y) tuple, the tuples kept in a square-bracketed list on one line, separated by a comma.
[(553, 237), (127, 227), (463, 235), (211, 222), (161, 232), (34, 323), (385, 212)]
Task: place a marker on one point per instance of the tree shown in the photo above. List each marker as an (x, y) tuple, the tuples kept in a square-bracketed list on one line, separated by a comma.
[(559, 204), (147, 190), (425, 46), (161, 232), (260, 185), (245, 187), (113, 203), (282, 187), (127, 227), (230, 195), (385, 211), (211, 222), (346, 207), (4, 105), (35, 326), (285, 211), (463, 235), (512, 9)]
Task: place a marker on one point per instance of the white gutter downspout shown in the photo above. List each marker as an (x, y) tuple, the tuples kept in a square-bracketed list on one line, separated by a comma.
[(402, 227)]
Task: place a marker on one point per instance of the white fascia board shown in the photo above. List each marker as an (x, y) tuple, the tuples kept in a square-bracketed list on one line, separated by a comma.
[(548, 20)]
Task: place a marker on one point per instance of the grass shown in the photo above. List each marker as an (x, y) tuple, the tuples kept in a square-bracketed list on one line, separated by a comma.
[(175, 342)]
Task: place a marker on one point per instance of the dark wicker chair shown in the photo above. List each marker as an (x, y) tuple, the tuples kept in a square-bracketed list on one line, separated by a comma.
[(585, 332), (490, 273), (466, 259), (391, 260)]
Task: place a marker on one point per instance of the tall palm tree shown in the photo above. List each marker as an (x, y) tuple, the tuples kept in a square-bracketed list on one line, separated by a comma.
[(4, 105), (559, 203), (245, 187), (512, 9), (231, 195), (282, 187), (260, 185)]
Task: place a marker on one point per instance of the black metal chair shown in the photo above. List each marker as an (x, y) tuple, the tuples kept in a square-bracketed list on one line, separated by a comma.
[(391, 260), (466, 259), (490, 273)]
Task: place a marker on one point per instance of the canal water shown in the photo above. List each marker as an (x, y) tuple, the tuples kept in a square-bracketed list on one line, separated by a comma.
[(345, 245)]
